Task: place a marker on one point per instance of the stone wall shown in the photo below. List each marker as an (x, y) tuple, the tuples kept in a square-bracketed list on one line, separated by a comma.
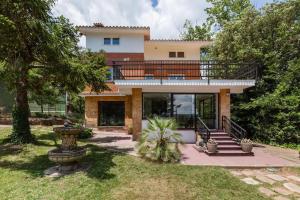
[(91, 109), (224, 104)]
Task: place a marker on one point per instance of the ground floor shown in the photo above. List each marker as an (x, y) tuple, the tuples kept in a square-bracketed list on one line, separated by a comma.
[(132, 111)]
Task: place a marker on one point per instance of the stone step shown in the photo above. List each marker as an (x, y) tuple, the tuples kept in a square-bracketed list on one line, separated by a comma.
[(221, 138), (229, 153), (229, 147), (226, 142)]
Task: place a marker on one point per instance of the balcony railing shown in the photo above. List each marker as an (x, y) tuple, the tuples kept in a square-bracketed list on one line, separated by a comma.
[(183, 70)]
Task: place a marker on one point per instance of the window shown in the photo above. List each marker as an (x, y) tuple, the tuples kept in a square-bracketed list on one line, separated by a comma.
[(180, 54), (156, 104), (149, 77), (184, 110), (106, 41), (111, 113), (172, 54), (176, 77), (116, 41)]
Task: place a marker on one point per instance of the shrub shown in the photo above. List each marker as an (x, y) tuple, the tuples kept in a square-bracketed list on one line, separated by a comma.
[(159, 141), (85, 133)]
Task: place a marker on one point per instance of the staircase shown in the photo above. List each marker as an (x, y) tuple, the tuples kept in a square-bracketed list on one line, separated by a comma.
[(227, 146)]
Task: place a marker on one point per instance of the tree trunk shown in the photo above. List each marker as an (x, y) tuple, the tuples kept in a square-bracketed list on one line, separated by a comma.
[(21, 128)]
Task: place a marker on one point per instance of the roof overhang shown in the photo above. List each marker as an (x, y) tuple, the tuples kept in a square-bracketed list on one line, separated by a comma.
[(187, 43), (184, 86), (114, 29)]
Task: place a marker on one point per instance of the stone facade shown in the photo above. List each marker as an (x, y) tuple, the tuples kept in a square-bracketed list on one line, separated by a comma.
[(224, 104), (136, 112), (92, 112)]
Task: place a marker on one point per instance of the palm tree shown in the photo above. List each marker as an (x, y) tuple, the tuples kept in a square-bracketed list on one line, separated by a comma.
[(159, 141)]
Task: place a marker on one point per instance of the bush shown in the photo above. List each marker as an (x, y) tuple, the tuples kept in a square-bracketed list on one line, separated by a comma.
[(159, 142), (85, 133)]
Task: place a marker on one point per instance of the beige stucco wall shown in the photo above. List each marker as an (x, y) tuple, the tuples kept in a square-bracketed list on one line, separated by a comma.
[(159, 50), (91, 109)]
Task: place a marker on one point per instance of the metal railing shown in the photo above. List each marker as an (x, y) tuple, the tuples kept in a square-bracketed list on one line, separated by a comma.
[(204, 131), (182, 70), (233, 129)]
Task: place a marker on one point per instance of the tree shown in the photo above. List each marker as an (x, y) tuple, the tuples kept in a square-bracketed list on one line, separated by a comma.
[(269, 37), (34, 44), (198, 32), (224, 11)]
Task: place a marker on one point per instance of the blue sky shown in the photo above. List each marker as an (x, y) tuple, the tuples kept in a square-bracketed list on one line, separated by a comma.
[(164, 17)]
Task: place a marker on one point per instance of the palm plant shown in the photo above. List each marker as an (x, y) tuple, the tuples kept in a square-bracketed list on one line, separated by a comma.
[(159, 141)]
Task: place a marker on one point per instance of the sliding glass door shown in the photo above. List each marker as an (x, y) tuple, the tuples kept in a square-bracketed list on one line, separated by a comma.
[(185, 108), (206, 109)]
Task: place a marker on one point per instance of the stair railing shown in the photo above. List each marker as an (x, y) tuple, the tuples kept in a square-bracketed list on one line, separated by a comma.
[(204, 131), (233, 129)]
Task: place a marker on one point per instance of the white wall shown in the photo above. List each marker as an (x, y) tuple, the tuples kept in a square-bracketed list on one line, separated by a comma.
[(188, 136), (129, 43), (160, 51)]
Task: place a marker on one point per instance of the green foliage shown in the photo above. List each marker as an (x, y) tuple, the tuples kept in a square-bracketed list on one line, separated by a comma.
[(270, 37), (224, 11), (159, 141), (39, 53), (85, 133), (198, 32)]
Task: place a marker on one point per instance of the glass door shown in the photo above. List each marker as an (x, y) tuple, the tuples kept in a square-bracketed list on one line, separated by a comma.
[(184, 110), (206, 109), (111, 113)]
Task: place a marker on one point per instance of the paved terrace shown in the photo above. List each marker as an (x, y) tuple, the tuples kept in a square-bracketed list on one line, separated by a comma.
[(264, 156)]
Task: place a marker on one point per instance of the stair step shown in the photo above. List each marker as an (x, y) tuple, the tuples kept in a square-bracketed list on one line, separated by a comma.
[(219, 134), (230, 153), (226, 142), (221, 138), (229, 147)]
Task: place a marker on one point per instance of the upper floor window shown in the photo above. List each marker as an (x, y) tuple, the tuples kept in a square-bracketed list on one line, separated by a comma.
[(180, 54), (107, 41), (116, 41), (172, 54), (176, 77)]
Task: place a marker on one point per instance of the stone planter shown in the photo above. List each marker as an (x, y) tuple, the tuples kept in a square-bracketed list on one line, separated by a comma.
[(247, 147), (212, 148)]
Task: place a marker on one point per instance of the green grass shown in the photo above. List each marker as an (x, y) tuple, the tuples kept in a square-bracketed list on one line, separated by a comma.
[(111, 176)]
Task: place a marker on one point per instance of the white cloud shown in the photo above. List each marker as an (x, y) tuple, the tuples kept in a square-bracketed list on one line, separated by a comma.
[(165, 20)]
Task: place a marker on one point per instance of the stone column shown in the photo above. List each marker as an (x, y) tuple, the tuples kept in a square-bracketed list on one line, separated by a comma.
[(224, 102), (136, 112)]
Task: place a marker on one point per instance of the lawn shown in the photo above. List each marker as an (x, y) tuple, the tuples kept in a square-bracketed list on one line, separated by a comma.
[(111, 176)]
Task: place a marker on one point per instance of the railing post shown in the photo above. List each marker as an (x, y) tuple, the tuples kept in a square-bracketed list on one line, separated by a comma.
[(161, 68), (114, 70)]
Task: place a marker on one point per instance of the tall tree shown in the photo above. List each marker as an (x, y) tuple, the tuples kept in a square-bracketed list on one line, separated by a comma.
[(197, 32), (223, 11), (269, 37), (33, 44)]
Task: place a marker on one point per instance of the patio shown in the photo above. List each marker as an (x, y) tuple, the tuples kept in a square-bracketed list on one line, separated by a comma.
[(264, 156)]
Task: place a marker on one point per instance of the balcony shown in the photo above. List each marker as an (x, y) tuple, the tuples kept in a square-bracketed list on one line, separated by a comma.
[(183, 70), (182, 75)]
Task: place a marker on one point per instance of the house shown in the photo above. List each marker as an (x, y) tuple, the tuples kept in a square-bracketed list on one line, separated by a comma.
[(160, 77)]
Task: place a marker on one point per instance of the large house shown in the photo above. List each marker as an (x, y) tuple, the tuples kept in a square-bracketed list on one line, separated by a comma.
[(160, 77)]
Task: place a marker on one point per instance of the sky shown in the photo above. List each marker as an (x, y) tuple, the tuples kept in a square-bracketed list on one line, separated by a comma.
[(165, 17)]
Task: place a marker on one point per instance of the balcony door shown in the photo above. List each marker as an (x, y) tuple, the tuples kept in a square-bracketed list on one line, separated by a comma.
[(111, 113)]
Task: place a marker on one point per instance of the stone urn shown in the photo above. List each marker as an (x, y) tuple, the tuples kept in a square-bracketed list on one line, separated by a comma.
[(247, 145), (212, 146), (68, 154)]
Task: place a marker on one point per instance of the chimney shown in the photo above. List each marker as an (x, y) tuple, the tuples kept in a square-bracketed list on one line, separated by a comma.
[(98, 24)]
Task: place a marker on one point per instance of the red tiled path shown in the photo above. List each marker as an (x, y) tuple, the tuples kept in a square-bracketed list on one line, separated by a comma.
[(261, 158)]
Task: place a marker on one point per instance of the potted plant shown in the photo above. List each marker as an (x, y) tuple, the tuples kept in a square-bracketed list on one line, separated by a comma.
[(212, 146), (246, 145)]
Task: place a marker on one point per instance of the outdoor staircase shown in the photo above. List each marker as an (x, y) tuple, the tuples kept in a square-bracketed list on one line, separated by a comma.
[(227, 146)]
